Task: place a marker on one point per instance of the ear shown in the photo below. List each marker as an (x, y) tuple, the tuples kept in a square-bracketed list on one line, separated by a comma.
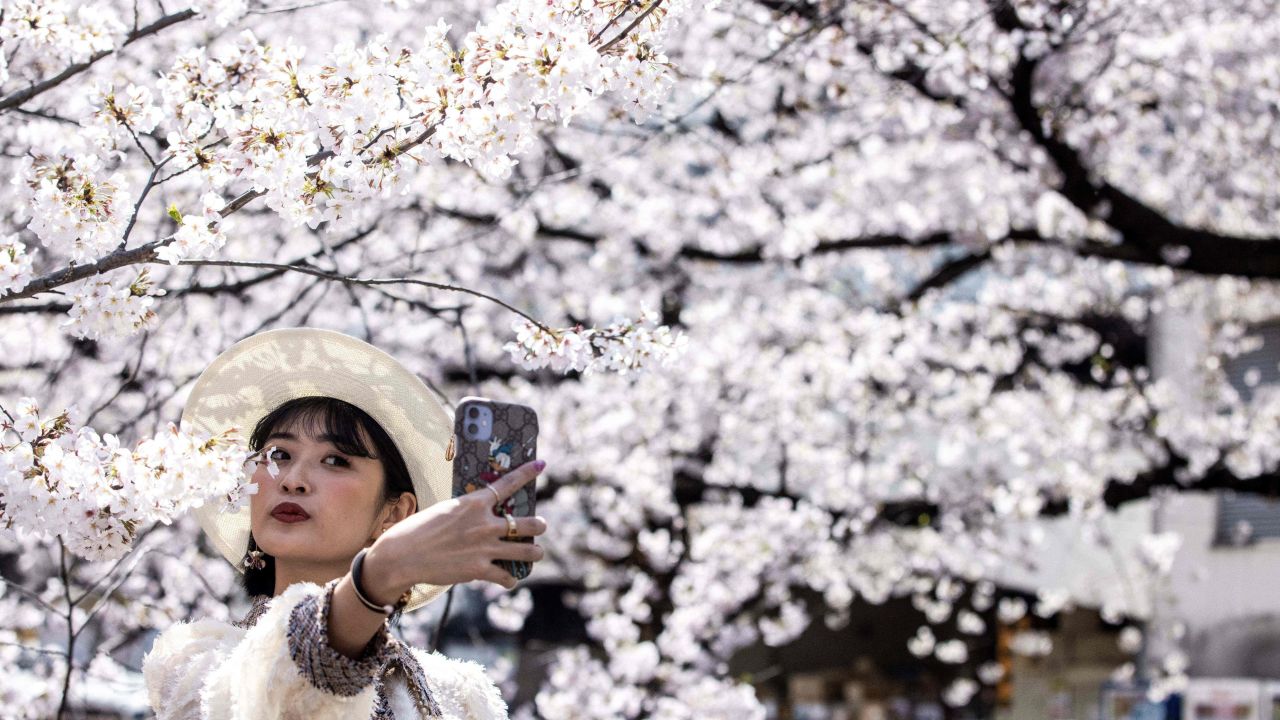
[(395, 511)]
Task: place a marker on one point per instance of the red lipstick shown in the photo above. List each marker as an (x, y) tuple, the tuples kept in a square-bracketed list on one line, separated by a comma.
[(287, 512)]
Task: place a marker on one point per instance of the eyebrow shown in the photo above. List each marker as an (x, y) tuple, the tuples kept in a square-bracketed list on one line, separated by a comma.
[(290, 436)]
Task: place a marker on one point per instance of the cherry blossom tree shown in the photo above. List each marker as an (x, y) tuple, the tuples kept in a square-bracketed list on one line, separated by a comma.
[(818, 302)]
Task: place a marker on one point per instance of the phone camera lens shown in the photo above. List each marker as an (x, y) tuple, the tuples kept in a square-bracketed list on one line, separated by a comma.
[(473, 428), (472, 412)]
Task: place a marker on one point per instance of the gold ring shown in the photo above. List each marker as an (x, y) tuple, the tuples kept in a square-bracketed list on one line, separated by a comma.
[(497, 499), (511, 526)]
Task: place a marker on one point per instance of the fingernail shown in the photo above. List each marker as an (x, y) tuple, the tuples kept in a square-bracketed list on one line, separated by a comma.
[(539, 464)]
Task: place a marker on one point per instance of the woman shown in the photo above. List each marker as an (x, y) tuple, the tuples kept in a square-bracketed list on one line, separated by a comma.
[(352, 523)]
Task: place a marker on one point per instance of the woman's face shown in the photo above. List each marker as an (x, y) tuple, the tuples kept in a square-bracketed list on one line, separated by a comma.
[(322, 506)]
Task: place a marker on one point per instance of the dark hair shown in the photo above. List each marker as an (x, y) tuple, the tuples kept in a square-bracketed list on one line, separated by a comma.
[(344, 425)]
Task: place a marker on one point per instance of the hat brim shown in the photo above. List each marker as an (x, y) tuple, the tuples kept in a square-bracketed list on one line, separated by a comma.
[(259, 373)]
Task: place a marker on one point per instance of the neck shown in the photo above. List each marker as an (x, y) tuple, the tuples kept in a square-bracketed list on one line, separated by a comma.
[(288, 573)]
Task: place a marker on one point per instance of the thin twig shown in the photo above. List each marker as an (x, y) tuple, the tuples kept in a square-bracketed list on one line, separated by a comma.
[(208, 588), (147, 253), (71, 634), (28, 648), (141, 536), (627, 31), (130, 380), (29, 594), (151, 182), (420, 305), (600, 33), (46, 115), (138, 142), (240, 286), (102, 601), (369, 281), (290, 8)]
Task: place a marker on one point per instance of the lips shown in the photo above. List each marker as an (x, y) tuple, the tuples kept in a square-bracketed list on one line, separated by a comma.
[(288, 512)]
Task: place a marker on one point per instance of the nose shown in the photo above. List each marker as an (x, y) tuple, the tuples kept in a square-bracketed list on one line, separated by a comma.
[(293, 480)]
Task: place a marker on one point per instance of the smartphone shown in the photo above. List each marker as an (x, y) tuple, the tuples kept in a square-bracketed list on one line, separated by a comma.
[(490, 439)]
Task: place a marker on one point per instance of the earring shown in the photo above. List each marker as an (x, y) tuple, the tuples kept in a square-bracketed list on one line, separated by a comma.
[(254, 559)]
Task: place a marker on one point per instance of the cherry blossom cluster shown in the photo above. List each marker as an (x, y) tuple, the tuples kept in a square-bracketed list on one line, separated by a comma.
[(316, 138), (103, 306), (15, 264), (198, 236), (69, 482), (582, 686), (622, 346), (54, 32), (77, 206), (508, 611), (122, 113), (879, 379)]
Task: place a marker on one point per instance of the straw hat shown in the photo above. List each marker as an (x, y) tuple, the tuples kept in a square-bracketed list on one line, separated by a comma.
[(257, 374)]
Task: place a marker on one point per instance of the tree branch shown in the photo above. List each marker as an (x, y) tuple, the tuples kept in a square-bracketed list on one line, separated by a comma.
[(71, 629), (1216, 478), (236, 288), (1148, 235), (147, 253), (73, 273), (948, 272), (325, 275), (19, 97), (30, 595), (653, 5), (544, 230)]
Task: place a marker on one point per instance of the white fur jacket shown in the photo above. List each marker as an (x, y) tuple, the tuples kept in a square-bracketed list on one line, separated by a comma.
[(278, 665)]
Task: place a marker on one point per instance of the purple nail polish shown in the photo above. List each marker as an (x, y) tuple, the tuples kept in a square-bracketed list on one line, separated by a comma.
[(539, 464)]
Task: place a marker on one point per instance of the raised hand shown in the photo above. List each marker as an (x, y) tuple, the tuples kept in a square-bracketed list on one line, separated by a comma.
[(454, 541)]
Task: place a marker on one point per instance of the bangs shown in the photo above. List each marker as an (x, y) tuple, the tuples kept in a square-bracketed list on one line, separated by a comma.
[(343, 425)]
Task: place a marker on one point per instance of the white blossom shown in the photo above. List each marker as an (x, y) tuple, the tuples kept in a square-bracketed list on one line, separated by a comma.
[(622, 346), (509, 611), (792, 619), (66, 481), (1011, 610), (960, 692), (952, 652), (1130, 640), (15, 264), (1031, 643), (923, 643), (970, 623), (103, 307)]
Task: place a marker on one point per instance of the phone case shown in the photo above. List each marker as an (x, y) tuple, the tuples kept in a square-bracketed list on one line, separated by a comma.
[(513, 442)]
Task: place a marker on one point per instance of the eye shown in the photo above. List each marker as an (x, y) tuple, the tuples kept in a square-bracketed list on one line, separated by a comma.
[(339, 461), (277, 454)]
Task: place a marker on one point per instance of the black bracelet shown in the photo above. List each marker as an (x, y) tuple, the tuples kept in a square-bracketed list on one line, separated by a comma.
[(356, 565)]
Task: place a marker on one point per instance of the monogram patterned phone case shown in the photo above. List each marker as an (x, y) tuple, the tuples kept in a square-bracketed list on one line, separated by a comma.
[(479, 461)]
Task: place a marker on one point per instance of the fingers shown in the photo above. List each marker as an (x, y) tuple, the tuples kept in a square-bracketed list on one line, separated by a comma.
[(524, 552), (508, 484), (526, 527), (495, 574), (531, 526)]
